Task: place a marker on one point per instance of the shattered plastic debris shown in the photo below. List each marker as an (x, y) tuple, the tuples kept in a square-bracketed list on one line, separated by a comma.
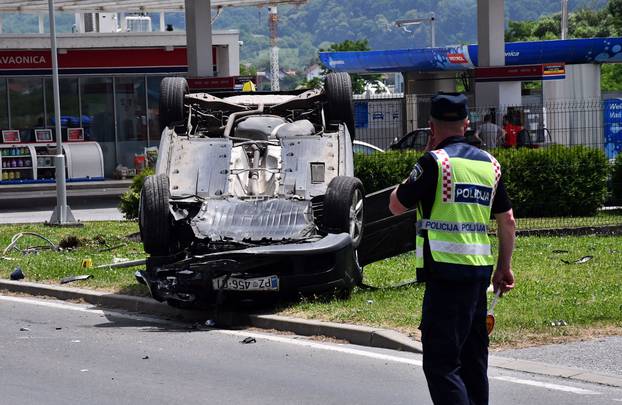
[(17, 274), (75, 278), (248, 340), (560, 322), (584, 259)]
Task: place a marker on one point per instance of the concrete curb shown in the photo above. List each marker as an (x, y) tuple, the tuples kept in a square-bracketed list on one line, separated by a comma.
[(553, 370), (360, 335)]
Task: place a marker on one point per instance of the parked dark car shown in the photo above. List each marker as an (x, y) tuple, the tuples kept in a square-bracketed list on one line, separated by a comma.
[(255, 193), (417, 140)]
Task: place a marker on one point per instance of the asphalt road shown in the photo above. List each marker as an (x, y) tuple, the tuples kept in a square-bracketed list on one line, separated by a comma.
[(602, 355), (54, 352)]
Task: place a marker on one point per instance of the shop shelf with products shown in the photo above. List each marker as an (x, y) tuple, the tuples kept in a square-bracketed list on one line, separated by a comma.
[(16, 164)]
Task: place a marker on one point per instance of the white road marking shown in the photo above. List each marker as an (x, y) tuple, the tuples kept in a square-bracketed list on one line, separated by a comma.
[(321, 346), (83, 308), (557, 387), (50, 304), (287, 340)]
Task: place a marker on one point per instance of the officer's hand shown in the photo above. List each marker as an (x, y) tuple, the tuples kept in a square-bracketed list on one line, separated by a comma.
[(503, 280)]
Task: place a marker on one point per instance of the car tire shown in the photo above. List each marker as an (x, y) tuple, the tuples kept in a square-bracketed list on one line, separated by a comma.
[(340, 107), (343, 207), (154, 216), (172, 93)]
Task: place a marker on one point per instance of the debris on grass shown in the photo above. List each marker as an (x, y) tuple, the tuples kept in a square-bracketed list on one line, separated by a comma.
[(560, 251), (100, 240), (18, 236), (560, 322), (134, 237), (71, 279), (582, 260), (17, 274), (130, 263), (108, 249)]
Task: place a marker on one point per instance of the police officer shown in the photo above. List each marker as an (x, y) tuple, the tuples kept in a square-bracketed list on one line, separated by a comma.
[(456, 187)]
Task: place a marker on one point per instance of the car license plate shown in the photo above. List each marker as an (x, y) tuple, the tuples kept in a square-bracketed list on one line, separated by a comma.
[(268, 283)]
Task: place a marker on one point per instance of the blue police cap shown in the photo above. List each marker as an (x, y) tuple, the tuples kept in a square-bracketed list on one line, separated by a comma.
[(449, 107)]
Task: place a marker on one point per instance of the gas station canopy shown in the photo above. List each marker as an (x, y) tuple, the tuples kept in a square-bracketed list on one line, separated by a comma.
[(98, 6)]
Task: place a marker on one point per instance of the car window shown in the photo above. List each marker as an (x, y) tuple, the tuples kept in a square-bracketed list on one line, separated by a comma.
[(419, 140), (356, 148)]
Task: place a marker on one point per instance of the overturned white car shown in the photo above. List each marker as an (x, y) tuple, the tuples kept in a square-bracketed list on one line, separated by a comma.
[(256, 193)]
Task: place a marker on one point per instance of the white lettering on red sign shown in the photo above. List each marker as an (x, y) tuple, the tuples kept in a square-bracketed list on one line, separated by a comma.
[(22, 60), (456, 58)]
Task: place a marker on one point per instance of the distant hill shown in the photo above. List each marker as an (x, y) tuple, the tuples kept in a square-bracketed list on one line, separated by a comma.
[(304, 29)]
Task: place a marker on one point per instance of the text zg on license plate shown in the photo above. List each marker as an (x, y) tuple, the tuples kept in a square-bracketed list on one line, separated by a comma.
[(268, 283)]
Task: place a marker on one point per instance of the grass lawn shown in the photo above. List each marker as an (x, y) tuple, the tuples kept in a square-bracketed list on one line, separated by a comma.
[(49, 267), (586, 296)]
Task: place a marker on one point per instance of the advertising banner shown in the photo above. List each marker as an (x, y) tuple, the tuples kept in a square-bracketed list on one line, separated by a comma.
[(570, 51), (613, 126)]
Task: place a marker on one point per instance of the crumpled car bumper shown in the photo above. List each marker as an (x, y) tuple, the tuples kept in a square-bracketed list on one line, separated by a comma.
[(300, 267)]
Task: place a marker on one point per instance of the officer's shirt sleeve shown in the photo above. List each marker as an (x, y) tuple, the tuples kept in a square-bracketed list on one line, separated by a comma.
[(502, 202), (420, 182)]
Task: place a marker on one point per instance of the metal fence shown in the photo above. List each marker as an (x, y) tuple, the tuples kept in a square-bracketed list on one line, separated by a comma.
[(400, 122)]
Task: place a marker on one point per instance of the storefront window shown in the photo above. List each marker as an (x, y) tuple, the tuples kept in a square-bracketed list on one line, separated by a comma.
[(27, 110), (98, 117), (69, 103), (153, 96), (4, 112), (130, 106)]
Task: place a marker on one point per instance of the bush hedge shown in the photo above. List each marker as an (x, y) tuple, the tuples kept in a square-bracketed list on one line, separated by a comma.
[(553, 181), (131, 198)]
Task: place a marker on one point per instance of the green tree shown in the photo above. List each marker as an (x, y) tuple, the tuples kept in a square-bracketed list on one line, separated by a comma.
[(247, 70), (358, 81), (313, 83), (583, 23), (615, 10)]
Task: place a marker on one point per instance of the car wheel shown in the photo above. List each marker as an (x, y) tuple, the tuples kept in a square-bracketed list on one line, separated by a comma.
[(343, 207), (340, 108), (154, 217), (172, 93)]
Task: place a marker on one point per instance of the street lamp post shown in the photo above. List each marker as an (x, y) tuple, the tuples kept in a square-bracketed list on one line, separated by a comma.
[(431, 20), (564, 28), (62, 213)]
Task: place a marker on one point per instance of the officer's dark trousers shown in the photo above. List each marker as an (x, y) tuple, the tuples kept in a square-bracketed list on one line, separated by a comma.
[(455, 342)]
